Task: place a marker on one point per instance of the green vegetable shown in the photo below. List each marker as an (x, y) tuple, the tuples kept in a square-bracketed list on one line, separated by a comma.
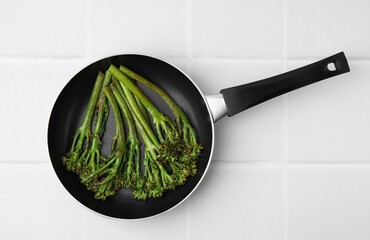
[(170, 153), (165, 166), (162, 123), (139, 183), (130, 175), (74, 159), (106, 180), (184, 126), (156, 176), (142, 109), (92, 160)]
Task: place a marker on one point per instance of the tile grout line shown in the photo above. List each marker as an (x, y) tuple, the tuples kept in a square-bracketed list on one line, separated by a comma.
[(24, 162), (329, 165), (189, 55), (288, 165), (189, 46), (188, 220), (285, 130), (41, 57), (88, 29)]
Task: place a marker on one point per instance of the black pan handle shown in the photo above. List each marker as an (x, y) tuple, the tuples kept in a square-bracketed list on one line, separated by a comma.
[(248, 95)]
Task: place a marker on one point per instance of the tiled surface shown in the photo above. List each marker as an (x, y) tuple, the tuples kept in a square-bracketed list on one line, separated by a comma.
[(165, 226), (328, 121), (42, 28), (234, 202), (293, 168), (34, 205), (237, 28), (148, 27), (319, 28), (329, 203)]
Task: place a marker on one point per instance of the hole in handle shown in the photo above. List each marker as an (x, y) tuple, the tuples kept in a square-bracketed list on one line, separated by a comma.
[(331, 66)]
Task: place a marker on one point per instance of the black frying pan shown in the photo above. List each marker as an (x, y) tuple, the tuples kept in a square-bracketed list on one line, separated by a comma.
[(70, 106)]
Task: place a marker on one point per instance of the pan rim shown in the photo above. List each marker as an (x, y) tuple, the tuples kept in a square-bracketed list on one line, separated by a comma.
[(209, 158)]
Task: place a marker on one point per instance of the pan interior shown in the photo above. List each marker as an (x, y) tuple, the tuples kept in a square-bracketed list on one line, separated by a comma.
[(68, 113)]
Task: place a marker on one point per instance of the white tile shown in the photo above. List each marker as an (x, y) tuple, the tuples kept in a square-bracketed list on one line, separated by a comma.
[(257, 133), (149, 27), (329, 203), (170, 225), (27, 95), (237, 28), (34, 205), (43, 28), (238, 202), (319, 28), (329, 121)]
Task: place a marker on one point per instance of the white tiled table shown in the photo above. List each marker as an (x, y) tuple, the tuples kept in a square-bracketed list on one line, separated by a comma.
[(293, 168)]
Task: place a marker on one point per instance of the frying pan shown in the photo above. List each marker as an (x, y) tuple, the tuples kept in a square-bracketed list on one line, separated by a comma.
[(202, 111)]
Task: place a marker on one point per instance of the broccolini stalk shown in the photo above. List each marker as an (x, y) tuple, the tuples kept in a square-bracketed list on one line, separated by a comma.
[(158, 179), (130, 176), (135, 109), (161, 122), (139, 188), (102, 112), (73, 160), (142, 109), (106, 180), (184, 126)]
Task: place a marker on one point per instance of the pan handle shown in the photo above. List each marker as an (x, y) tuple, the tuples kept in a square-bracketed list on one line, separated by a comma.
[(248, 95)]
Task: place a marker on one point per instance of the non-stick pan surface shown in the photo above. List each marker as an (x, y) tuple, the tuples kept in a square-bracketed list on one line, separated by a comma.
[(68, 113)]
